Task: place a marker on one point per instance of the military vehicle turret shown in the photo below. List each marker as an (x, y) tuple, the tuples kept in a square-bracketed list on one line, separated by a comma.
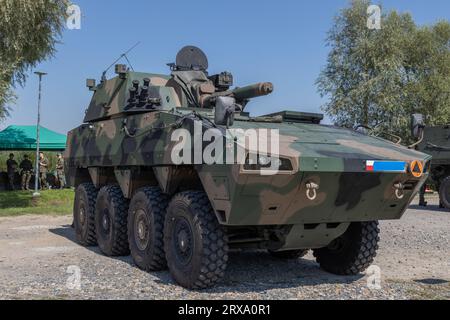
[(172, 169)]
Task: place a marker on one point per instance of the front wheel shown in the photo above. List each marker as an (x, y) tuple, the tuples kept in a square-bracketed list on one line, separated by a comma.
[(444, 193), (353, 252), (195, 243)]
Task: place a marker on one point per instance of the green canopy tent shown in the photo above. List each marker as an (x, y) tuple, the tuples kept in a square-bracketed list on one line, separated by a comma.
[(22, 138)]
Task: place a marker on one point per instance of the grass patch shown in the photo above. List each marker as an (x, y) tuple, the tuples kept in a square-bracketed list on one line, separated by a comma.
[(53, 202)]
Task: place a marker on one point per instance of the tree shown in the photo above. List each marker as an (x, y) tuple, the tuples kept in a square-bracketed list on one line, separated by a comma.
[(379, 77), (29, 31), (427, 69)]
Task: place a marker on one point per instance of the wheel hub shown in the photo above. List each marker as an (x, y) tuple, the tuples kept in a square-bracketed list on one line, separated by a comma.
[(105, 220), (142, 229), (337, 244), (183, 241), (82, 215)]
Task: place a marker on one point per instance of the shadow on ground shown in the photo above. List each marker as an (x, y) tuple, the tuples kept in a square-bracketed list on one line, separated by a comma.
[(429, 208), (248, 271), (432, 281)]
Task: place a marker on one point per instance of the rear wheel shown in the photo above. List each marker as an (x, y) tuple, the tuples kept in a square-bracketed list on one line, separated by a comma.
[(353, 252), (195, 243), (111, 212), (289, 254), (84, 214), (444, 193), (145, 228)]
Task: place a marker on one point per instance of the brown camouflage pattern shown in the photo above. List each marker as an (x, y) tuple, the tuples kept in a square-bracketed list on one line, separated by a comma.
[(133, 147)]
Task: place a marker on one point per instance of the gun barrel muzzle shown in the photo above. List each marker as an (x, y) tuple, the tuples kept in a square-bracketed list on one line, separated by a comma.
[(253, 91)]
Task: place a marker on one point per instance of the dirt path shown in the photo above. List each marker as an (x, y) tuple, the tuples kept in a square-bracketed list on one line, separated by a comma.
[(39, 259)]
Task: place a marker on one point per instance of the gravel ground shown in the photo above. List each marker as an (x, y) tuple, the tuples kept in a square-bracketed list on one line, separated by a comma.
[(39, 259)]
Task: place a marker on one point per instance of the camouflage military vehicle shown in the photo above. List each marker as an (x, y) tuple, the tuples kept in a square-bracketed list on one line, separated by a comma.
[(435, 141), (320, 187)]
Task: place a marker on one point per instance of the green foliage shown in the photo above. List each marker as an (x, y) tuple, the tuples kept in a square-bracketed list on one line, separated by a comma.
[(29, 31), (51, 202), (428, 73), (379, 77)]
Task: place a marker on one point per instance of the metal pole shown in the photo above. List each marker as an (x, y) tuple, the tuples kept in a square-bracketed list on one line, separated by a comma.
[(36, 179)]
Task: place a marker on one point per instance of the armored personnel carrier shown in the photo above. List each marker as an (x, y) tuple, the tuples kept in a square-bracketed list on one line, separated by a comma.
[(172, 169), (435, 141)]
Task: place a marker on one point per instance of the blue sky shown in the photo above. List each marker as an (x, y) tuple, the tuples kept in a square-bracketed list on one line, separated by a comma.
[(278, 41)]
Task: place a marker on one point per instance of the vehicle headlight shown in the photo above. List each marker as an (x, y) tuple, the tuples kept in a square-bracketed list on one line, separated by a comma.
[(264, 160), (267, 162)]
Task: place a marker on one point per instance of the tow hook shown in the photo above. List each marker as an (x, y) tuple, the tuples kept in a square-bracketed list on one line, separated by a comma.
[(311, 190), (399, 187)]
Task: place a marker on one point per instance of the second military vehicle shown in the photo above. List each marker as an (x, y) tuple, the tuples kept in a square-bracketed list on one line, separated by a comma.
[(435, 141), (172, 169)]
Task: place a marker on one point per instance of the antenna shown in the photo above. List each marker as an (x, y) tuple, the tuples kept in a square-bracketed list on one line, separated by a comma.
[(123, 55)]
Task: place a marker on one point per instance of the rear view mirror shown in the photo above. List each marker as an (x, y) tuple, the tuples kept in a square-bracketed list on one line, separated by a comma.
[(90, 83), (417, 125), (224, 111)]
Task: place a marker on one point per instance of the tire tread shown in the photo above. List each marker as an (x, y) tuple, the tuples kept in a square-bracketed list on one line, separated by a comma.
[(215, 242), (91, 193), (115, 196), (445, 184), (361, 255), (158, 201)]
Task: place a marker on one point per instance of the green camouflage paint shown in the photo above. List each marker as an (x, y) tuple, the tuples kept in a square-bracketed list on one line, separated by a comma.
[(126, 138)]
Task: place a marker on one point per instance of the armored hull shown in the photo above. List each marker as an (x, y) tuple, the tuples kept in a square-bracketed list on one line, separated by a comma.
[(297, 185)]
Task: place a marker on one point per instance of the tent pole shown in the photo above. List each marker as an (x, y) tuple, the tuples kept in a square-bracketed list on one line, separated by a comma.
[(36, 179)]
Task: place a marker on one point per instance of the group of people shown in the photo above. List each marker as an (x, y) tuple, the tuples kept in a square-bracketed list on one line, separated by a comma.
[(26, 167)]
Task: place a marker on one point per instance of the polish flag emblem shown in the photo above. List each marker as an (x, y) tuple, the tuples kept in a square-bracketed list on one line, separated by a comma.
[(369, 165)]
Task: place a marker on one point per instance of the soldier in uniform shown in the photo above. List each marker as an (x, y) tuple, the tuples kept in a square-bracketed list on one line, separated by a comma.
[(11, 166), (422, 201), (27, 170), (60, 175), (43, 168)]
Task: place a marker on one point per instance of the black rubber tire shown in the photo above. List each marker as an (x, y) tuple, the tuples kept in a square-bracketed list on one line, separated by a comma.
[(207, 243), (353, 252), (112, 241), (289, 254), (149, 205), (444, 193), (85, 198)]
